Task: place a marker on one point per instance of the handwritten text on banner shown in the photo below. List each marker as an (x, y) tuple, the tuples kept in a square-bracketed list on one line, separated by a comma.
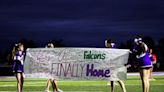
[(76, 63)]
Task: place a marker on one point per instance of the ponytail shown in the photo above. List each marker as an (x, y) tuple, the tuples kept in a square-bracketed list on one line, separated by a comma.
[(13, 53), (14, 50)]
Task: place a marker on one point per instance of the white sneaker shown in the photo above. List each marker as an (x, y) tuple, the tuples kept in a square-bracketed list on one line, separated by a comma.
[(59, 90), (47, 91), (152, 79), (108, 84)]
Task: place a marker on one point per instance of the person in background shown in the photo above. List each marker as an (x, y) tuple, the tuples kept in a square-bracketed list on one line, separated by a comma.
[(50, 45), (18, 66), (154, 61), (52, 80), (110, 44), (140, 50)]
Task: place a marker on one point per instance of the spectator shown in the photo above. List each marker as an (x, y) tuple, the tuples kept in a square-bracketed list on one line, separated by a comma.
[(154, 61)]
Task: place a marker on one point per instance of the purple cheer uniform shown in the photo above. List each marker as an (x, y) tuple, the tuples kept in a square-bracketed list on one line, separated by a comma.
[(18, 62), (143, 56)]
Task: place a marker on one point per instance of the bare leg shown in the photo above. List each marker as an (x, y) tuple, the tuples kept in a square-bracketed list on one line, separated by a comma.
[(151, 70), (147, 79), (48, 84), (18, 77), (54, 85), (144, 73), (141, 75), (112, 86), (122, 85), (22, 81)]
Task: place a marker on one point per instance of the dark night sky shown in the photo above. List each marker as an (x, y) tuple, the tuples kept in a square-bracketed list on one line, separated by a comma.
[(85, 23)]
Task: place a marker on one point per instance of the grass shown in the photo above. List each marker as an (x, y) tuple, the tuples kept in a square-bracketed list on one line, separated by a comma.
[(133, 84)]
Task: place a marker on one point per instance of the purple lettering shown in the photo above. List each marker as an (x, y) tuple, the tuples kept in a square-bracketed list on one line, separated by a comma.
[(107, 73), (97, 72)]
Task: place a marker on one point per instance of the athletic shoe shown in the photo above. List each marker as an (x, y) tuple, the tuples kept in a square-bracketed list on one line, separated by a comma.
[(47, 91), (152, 79), (59, 90)]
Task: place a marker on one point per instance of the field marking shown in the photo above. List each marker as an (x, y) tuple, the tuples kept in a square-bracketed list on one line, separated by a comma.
[(82, 85)]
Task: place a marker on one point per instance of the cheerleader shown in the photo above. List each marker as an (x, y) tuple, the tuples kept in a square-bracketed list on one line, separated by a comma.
[(141, 52), (110, 44), (52, 80), (18, 68)]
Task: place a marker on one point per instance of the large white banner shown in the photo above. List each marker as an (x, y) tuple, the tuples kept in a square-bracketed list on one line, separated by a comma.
[(76, 63)]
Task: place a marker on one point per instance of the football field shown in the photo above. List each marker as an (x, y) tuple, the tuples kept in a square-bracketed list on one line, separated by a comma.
[(133, 84)]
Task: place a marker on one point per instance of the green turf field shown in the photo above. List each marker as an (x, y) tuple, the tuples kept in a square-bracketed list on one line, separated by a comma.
[(133, 84)]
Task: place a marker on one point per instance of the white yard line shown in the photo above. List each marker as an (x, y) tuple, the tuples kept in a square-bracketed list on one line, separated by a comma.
[(80, 85), (128, 74)]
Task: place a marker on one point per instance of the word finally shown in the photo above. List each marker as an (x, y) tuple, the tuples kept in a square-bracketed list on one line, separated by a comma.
[(78, 70)]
